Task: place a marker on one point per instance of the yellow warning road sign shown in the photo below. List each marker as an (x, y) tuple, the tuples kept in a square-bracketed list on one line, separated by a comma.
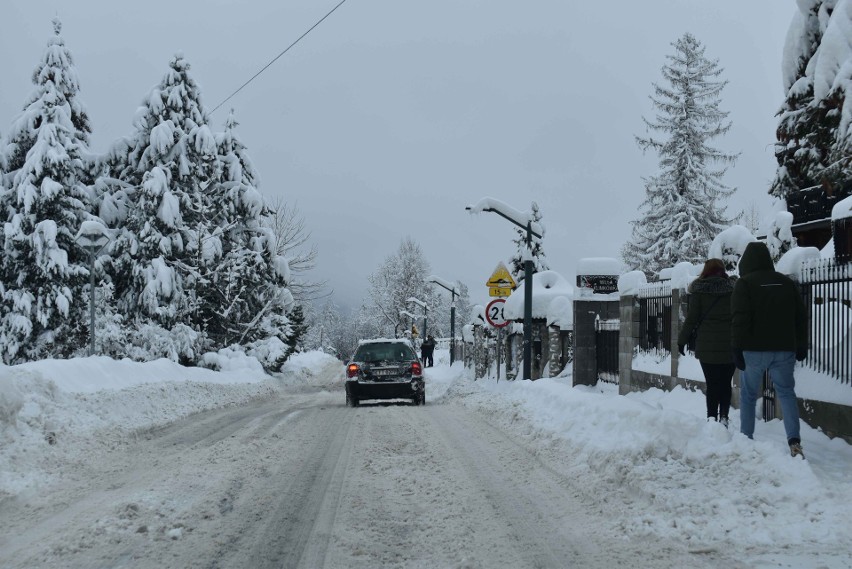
[(501, 278)]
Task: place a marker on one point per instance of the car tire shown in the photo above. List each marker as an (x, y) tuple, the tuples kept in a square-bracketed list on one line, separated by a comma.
[(351, 401)]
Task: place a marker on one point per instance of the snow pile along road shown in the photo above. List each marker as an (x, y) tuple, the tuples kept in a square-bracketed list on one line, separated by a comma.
[(679, 476), (57, 412)]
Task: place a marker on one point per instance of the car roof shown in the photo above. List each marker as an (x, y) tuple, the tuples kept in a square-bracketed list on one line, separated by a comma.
[(385, 341)]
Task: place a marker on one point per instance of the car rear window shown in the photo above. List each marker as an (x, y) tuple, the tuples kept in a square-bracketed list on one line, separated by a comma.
[(377, 352)]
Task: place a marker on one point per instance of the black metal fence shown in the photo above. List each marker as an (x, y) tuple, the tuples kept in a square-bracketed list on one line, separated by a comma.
[(655, 318), (827, 290)]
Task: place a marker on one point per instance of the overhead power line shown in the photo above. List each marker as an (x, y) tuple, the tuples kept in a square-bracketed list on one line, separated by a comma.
[(253, 77)]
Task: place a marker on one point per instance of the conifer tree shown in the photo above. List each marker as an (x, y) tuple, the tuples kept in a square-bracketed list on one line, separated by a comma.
[(169, 239), (804, 129), (814, 148), (43, 271), (516, 263), (681, 213)]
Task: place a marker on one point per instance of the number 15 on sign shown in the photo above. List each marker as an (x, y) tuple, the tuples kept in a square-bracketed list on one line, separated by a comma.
[(494, 313)]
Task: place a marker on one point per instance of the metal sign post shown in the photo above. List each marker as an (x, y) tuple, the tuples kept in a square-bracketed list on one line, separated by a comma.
[(92, 237), (494, 316)]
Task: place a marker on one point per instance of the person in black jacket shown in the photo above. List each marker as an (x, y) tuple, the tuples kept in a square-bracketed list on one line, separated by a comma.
[(768, 333), (427, 350), (710, 310)]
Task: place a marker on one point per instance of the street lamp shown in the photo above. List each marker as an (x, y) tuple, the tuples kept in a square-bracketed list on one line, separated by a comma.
[(526, 222), (452, 288), (92, 237), (419, 302)]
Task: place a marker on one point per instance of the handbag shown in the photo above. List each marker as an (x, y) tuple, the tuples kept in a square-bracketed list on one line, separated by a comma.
[(693, 336)]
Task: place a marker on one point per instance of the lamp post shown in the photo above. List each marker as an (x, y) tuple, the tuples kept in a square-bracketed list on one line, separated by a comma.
[(419, 302), (452, 288), (92, 237), (525, 222)]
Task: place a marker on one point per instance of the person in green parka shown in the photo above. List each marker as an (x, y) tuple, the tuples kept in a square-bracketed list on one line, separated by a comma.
[(710, 310)]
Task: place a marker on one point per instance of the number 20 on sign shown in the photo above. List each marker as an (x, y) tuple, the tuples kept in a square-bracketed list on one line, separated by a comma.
[(494, 313)]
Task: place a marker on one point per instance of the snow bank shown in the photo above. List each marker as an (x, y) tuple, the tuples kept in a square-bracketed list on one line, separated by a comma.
[(51, 409), (707, 486)]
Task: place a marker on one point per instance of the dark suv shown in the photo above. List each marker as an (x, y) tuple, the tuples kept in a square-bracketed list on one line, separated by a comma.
[(384, 369)]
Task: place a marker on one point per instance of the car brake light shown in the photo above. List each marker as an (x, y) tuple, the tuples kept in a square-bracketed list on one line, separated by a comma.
[(416, 369), (352, 370)]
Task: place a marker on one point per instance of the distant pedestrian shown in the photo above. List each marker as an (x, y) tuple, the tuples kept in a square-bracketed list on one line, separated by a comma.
[(427, 351), (768, 333), (709, 315)]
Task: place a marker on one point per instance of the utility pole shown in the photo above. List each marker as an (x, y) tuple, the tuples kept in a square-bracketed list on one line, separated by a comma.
[(523, 221), (452, 288), (92, 237)]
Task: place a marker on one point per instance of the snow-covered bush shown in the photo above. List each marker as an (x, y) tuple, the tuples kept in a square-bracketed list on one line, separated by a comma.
[(232, 358), (151, 342), (779, 237), (270, 352), (729, 246)]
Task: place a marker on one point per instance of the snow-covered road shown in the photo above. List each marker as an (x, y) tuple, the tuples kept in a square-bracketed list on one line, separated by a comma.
[(300, 480)]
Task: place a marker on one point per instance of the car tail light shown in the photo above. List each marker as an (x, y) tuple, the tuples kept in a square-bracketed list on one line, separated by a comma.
[(416, 369), (352, 370)]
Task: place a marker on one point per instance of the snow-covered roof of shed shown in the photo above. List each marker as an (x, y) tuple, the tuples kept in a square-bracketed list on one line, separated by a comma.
[(547, 286)]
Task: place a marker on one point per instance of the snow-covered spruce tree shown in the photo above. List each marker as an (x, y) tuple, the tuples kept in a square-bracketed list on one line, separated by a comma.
[(516, 263), (834, 77), (170, 238), (681, 213), (807, 122), (44, 272), (399, 278), (248, 299)]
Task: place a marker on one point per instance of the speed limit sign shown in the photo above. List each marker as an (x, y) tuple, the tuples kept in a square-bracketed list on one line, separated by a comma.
[(494, 313)]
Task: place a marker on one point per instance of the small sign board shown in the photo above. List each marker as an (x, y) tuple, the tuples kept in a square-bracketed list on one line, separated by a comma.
[(499, 292), (600, 284), (494, 313)]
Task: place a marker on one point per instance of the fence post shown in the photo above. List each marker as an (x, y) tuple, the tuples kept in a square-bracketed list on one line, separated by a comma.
[(675, 328), (626, 341)]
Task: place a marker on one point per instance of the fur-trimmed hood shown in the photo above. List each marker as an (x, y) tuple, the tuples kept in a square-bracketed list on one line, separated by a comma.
[(712, 285)]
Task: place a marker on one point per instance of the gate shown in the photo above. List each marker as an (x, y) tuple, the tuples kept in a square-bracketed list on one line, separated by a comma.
[(606, 349)]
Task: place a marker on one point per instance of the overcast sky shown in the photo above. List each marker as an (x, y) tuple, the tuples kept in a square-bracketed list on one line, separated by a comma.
[(391, 117)]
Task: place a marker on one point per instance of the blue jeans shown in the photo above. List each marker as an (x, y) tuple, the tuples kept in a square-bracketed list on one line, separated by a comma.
[(780, 366)]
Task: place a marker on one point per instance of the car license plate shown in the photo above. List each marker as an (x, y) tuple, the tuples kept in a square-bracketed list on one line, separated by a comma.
[(385, 372)]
